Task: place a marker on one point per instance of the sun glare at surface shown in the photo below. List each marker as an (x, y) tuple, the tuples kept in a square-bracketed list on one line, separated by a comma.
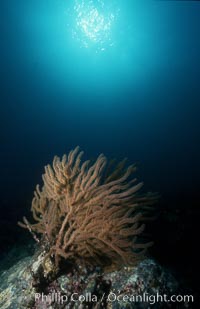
[(93, 24)]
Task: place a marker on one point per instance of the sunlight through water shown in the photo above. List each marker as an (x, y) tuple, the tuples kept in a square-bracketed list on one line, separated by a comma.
[(94, 23)]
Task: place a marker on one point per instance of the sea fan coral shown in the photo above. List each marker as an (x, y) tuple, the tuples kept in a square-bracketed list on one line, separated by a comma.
[(90, 212)]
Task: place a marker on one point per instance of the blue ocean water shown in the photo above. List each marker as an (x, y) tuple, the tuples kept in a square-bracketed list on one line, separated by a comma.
[(118, 77)]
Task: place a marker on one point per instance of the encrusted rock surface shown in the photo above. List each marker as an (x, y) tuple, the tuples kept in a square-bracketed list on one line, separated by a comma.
[(131, 287)]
